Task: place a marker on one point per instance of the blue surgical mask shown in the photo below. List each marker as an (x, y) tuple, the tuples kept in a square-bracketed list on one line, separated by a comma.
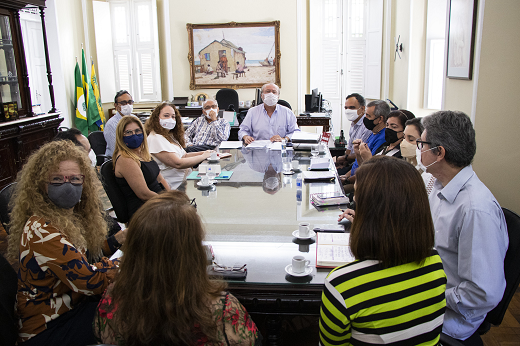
[(133, 141), (65, 195)]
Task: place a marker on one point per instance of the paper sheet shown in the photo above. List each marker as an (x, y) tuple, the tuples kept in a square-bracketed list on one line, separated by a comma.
[(117, 254), (259, 144), (230, 145)]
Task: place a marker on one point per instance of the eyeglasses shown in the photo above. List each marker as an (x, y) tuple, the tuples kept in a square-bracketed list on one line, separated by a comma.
[(210, 107), (57, 179), (124, 103), (420, 144), (193, 203), (130, 132)]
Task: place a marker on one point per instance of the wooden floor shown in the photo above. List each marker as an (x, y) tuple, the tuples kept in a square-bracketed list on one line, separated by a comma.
[(507, 334)]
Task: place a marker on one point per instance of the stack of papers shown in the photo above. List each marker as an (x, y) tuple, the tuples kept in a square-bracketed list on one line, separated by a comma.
[(230, 145), (325, 176), (305, 137), (326, 199), (260, 144), (319, 163)]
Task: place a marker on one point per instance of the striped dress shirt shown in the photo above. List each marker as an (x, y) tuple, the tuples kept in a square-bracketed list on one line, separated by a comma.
[(110, 133), (201, 132), (363, 304)]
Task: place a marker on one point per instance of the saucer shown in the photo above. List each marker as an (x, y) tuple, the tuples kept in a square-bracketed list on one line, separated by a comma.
[(213, 161), (288, 172), (297, 234), (289, 271), (296, 170), (209, 186)]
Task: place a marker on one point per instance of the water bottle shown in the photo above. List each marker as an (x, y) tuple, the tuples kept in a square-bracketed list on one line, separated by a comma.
[(299, 181), (284, 148)]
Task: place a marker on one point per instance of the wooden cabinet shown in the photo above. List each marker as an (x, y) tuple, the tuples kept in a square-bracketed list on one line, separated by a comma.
[(19, 139)]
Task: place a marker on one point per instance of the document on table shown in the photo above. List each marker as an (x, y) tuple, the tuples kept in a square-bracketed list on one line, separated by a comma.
[(258, 144), (230, 145), (306, 137), (332, 249), (318, 175)]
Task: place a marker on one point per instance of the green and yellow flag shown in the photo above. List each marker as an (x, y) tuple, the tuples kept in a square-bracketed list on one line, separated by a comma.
[(95, 87), (81, 107), (92, 110)]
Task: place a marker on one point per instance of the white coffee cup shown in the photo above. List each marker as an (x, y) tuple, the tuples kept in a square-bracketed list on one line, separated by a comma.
[(204, 180), (241, 103), (248, 104), (299, 264), (295, 164), (214, 156), (303, 229), (321, 147)]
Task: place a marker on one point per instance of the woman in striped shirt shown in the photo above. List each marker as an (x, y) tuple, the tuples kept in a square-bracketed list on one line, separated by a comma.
[(394, 292)]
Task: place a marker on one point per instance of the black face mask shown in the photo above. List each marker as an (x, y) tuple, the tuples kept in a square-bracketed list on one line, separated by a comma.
[(391, 136), (369, 124)]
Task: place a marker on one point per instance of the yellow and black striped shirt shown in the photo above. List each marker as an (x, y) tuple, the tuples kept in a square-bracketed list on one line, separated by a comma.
[(363, 304)]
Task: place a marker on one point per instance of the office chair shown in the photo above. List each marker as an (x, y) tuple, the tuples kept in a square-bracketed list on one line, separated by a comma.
[(114, 193), (512, 274), (226, 97), (284, 103), (8, 288), (5, 210), (99, 145)]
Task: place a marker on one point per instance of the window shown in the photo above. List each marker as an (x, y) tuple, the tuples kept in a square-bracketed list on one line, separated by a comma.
[(206, 56), (134, 42)]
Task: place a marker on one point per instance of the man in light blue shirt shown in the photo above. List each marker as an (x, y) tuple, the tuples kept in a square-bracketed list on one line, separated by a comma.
[(470, 228), (124, 106), (268, 120)]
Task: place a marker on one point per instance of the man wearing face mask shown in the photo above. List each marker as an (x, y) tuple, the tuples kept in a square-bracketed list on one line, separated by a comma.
[(355, 113), (268, 120), (207, 131), (124, 106), (76, 137), (470, 229)]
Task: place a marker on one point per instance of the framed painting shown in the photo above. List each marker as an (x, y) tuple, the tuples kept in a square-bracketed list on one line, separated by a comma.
[(461, 38), (234, 55)]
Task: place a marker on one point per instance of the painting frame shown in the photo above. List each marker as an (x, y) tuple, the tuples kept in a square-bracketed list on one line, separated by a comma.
[(461, 28), (233, 83)]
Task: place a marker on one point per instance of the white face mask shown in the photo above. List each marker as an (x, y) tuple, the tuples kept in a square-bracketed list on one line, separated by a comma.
[(351, 114), (272, 183), (126, 109), (270, 99), (206, 113), (168, 123), (92, 157), (419, 159)]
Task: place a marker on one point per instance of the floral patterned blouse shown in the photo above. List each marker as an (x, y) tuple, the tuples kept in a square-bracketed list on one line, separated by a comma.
[(53, 277), (235, 326)]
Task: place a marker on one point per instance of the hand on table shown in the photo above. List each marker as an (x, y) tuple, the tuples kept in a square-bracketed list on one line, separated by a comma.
[(248, 139), (276, 138), (347, 214)]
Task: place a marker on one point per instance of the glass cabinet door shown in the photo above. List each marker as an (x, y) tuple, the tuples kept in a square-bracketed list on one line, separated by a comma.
[(9, 87)]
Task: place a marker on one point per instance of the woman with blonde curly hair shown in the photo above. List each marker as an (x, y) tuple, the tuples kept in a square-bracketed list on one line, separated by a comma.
[(58, 233), (166, 142), (137, 174), (163, 294)]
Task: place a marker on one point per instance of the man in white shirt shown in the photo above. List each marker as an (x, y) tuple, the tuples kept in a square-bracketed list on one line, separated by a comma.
[(124, 106), (207, 131)]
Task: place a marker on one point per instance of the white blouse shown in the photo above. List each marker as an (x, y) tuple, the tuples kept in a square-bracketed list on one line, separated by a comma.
[(158, 143)]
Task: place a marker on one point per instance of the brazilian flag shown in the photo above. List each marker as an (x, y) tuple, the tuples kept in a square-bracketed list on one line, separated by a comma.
[(81, 106), (95, 87), (92, 110)]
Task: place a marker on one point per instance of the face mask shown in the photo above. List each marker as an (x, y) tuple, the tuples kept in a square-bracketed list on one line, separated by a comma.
[(92, 157), (272, 183), (168, 123), (206, 113), (270, 99), (133, 141), (407, 149), (126, 109), (369, 124), (391, 136), (351, 114), (419, 159), (65, 195)]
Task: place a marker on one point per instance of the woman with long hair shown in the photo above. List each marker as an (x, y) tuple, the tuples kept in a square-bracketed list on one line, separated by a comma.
[(166, 142), (58, 236), (163, 295), (394, 292), (137, 174)]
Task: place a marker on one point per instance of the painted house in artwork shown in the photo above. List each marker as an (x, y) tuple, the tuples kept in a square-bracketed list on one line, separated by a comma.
[(224, 51)]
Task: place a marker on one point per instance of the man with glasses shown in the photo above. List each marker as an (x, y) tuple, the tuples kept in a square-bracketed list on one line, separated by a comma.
[(470, 229), (124, 105), (207, 131)]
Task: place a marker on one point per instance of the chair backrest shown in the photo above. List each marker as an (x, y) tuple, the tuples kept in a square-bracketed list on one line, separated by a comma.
[(8, 288), (511, 267), (5, 210), (113, 191), (225, 97), (97, 142), (284, 103)]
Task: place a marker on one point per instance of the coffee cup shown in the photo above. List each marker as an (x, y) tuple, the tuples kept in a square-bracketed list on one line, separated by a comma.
[(321, 147), (295, 164), (241, 103), (213, 156), (248, 104), (204, 180), (303, 229), (299, 264)]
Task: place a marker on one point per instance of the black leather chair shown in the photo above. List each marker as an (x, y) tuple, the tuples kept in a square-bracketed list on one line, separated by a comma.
[(5, 210), (284, 103), (99, 145), (226, 97), (114, 193), (512, 274), (8, 288)]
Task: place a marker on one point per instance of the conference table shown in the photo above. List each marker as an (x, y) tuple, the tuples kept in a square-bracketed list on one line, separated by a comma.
[(249, 219)]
